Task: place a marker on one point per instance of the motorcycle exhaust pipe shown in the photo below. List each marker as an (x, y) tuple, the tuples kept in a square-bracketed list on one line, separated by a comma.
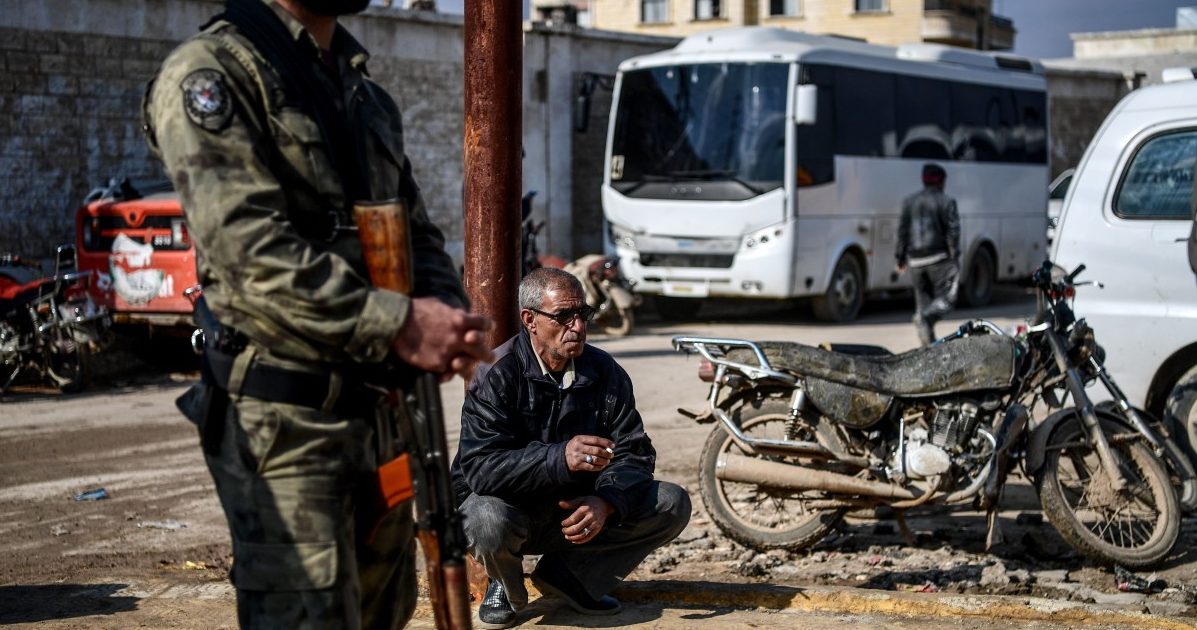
[(772, 474)]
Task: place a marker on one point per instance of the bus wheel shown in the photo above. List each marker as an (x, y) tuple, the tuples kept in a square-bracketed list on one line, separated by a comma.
[(675, 309), (845, 292), (977, 285)]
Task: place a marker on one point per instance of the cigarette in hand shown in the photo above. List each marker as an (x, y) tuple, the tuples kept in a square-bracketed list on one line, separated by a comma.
[(610, 451)]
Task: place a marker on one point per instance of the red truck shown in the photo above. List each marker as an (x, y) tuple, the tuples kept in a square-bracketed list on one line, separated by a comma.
[(135, 242)]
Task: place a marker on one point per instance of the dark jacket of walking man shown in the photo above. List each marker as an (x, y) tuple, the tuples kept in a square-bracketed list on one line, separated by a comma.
[(554, 460), (929, 244), (270, 130)]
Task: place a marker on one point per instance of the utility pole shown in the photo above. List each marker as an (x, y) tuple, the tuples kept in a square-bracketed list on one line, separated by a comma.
[(494, 62)]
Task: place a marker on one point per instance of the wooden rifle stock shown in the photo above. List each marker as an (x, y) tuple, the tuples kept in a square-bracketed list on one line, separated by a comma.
[(386, 245)]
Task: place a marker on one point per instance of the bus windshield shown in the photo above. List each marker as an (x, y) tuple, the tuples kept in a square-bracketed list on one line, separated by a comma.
[(712, 131)]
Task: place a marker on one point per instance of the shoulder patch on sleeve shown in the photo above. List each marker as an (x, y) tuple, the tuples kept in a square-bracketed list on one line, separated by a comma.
[(207, 100)]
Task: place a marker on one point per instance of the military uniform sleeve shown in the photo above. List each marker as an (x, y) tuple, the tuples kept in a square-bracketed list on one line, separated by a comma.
[(215, 149)]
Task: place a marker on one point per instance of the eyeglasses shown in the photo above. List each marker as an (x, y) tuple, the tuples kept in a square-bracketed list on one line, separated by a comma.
[(566, 317)]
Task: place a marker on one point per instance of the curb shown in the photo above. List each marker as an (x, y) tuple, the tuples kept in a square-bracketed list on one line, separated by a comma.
[(865, 601)]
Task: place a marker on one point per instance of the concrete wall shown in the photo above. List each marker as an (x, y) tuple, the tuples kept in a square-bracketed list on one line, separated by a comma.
[(1148, 41), (1078, 101), (72, 76)]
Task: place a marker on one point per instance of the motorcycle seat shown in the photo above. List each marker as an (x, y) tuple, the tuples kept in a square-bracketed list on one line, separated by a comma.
[(857, 389)]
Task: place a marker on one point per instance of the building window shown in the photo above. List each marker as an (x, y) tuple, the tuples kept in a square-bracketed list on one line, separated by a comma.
[(785, 7), (706, 9), (870, 6), (653, 11)]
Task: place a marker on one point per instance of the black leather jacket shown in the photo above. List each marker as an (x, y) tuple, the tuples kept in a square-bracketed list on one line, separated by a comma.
[(930, 225), (516, 422)]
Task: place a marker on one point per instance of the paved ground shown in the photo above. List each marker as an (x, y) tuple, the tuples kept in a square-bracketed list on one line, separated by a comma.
[(154, 554)]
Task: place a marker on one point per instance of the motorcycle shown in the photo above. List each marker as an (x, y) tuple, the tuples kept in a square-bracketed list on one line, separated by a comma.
[(607, 291), (48, 325), (806, 434)]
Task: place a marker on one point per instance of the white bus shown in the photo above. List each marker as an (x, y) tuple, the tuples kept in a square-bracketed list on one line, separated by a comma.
[(764, 163)]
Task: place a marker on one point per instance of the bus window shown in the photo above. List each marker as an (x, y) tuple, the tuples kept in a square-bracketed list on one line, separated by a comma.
[(720, 124), (864, 106), (814, 145), (981, 122), (923, 116)]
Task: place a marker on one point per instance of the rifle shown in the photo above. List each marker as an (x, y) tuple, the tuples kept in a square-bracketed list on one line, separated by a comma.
[(386, 245)]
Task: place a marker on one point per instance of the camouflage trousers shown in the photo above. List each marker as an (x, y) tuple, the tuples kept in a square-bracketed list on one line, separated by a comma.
[(287, 477)]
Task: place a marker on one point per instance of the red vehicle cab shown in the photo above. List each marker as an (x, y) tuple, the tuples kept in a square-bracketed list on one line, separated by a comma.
[(136, 244)]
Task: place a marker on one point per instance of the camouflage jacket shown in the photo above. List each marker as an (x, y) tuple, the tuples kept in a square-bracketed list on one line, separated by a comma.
[(262, 198)]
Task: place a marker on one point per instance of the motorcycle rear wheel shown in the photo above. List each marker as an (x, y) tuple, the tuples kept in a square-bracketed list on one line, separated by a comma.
[(1136, 526), (756, 517), (68, 362)]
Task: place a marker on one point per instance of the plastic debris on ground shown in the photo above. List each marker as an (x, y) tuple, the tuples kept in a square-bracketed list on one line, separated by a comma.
[(170, 525), (194, 565), (92, 495), (59, 530), (1130, 583)]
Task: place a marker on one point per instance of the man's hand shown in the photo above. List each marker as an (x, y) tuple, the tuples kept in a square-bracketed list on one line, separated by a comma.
[(900, 267), (588, 519), (588, 453), (442, 339)]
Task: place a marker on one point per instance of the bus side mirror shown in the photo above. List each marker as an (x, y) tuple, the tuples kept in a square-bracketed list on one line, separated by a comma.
[(806, 104)]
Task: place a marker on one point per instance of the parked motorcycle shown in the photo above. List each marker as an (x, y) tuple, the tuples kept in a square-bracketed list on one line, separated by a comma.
[(804, 434), (608, 292), (48, 325)]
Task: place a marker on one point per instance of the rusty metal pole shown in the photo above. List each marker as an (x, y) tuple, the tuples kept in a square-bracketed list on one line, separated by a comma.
[(494, 61)]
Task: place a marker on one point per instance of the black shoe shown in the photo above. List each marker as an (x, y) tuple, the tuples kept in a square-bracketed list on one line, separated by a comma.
[(558, 581), (496, 610)]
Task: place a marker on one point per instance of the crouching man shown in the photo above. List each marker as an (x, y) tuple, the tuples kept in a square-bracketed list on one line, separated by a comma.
[(554, 460)]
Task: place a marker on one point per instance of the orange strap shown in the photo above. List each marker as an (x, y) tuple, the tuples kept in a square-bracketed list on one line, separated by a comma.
[(394, 479)]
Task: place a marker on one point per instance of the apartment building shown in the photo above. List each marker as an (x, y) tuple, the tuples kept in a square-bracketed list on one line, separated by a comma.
[(964, 23)]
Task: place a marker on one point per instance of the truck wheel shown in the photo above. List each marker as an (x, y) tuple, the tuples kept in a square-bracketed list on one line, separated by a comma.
[(845, 292), (976, 286)]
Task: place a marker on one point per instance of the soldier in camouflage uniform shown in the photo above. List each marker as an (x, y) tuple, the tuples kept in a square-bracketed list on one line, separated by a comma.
[(291, 429)]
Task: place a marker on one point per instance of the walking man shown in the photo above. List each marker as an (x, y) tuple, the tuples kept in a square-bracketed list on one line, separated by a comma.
[(270, 131), (554, 460), (929, 244)]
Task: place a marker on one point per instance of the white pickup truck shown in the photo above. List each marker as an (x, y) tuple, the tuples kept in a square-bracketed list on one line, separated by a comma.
[(1127, 217)]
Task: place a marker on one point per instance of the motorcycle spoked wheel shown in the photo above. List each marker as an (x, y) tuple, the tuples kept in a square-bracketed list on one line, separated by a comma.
[(67, 361), (616, 321), (764, 518), (1135, 527)]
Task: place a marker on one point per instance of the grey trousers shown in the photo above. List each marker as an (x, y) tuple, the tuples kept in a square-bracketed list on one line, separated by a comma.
[(934, 295), (500, 534)]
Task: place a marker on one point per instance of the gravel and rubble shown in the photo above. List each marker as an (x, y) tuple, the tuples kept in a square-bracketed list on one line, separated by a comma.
[(948, 557)]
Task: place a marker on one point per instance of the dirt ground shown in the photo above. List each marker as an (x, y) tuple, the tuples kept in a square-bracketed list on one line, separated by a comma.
[(161, 528)]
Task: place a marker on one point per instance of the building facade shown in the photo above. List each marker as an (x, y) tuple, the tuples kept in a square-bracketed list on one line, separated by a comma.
[(964, 23)]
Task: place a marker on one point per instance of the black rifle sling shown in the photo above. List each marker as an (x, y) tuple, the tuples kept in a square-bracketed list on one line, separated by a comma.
[(259, 24)]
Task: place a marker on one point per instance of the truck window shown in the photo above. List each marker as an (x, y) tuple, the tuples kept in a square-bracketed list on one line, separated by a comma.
[(1158, 184)]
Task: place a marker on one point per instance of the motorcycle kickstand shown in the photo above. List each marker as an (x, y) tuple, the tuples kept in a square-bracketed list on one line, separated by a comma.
[(900, 517), (993, 534)]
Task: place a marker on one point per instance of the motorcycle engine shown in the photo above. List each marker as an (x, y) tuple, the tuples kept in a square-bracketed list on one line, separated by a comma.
[(9, 341), (936, 435)]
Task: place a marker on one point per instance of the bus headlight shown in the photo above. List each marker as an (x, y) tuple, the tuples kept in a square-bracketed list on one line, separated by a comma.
[(761, 238), (622, 237)]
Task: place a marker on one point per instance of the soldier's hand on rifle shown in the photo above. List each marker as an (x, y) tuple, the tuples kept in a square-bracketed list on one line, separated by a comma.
[(442, 339), (587, 520)]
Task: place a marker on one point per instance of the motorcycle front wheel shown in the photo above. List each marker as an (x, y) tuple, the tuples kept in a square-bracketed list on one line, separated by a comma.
[(67, 360), (1135, 526), (758, 517), (617, 322)]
